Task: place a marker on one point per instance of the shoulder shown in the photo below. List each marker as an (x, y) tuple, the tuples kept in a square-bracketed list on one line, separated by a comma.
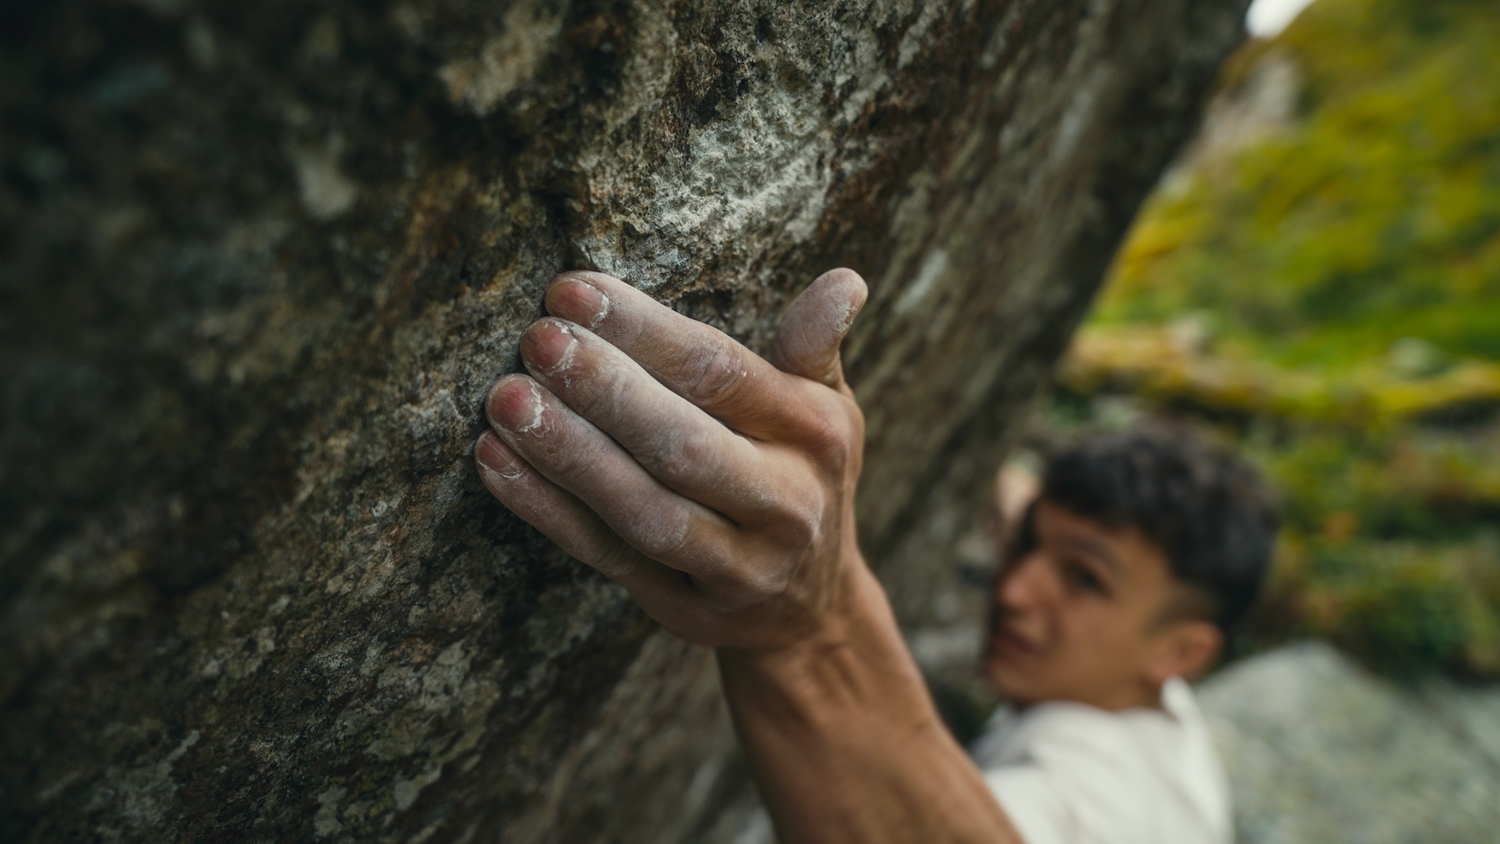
[(1056, 732), (1085, 774)]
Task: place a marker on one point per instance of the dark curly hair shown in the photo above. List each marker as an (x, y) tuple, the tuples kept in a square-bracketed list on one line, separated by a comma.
[(1205, 509)]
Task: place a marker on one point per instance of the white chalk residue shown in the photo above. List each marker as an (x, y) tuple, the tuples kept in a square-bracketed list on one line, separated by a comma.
[(536, 410), (565, 361), (603, 311), (509, 475)]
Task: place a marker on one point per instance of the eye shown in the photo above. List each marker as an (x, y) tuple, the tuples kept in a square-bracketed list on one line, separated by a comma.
[(1081, 576)]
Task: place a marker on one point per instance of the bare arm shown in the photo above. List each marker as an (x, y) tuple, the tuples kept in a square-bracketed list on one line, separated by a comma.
[(845, 744), (718, 489)]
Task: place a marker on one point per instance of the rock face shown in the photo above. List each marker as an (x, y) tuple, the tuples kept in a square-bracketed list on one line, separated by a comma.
[(260, 262), (1319, 750)]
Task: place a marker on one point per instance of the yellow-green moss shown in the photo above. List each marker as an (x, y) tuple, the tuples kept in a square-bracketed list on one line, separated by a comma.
[(1375, 217), (1342, 281)]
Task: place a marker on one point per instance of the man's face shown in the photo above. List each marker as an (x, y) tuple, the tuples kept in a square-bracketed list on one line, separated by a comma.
[(1081, 617)]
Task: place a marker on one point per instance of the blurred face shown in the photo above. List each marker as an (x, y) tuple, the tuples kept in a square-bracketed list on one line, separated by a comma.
[(1086, 617)]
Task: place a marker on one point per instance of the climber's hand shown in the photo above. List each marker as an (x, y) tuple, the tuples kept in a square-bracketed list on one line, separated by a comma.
[(715, 486)]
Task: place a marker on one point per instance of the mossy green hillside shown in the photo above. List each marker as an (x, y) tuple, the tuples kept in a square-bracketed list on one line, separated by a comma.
[(1391, 545), (1333, 292), (1374, 217)]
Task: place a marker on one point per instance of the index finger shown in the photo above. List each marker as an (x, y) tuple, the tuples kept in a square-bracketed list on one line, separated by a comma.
[(705, 366)]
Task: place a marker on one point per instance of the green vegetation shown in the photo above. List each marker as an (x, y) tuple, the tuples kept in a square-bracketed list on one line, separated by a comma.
[(1329, 295), (1391, 547)]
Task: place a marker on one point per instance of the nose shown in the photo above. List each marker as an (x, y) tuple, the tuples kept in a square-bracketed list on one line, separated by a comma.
[(1022, 585)]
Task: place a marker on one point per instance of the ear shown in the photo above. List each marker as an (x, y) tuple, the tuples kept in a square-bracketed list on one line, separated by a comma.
[(1186, 649)]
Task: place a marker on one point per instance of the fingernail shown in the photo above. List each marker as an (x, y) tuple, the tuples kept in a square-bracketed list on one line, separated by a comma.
[(497, 459), (583, 303), (515, 404), (549, 346)]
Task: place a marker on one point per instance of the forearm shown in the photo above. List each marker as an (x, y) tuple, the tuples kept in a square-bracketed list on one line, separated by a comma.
[(845, 743)]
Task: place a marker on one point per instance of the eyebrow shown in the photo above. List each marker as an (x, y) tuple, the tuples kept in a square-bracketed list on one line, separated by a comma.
[(1099, 550)]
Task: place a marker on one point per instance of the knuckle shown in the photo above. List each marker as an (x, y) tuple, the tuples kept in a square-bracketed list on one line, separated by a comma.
[(802, 524), (790, 516), (717, 373), (751, 587), (681, 457), (615, 559), (769, 583), (600, 396), (660, 536), (746, 589), (829, 439), (569, 458)]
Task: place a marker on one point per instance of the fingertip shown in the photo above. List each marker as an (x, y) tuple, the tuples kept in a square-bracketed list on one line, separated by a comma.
[(499, 465), (549, 345), (579, 297), (807, 343), (844, 278), (587, 276), (514, 404), (845, 293)]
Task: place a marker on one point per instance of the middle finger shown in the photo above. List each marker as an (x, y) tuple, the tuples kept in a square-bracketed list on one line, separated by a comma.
[(680, 445)]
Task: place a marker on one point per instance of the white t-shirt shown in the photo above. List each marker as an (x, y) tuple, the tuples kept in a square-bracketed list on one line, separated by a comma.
[(1067, 773)]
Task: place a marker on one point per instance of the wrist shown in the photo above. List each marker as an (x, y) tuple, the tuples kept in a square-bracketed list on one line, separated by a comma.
[(856, 605), (853, 666)]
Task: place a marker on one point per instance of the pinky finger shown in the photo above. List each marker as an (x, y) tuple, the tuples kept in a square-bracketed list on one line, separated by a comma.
[(571, 524)]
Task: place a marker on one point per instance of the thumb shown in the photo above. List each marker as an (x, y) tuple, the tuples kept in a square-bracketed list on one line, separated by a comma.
[(807, 343)]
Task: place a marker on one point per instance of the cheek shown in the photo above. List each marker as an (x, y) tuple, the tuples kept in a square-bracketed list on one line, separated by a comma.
[(1115, 639), (1091, 630)]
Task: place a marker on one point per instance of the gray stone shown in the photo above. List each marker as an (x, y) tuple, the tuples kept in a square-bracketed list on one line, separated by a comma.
[(260, 262), (1317, 749)]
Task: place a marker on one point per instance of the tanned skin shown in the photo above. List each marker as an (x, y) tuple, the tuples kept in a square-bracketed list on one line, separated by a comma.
[(718, 488), (1092, 614)]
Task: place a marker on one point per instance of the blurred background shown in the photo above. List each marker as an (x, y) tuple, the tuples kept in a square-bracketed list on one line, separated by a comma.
[(1317, 281)]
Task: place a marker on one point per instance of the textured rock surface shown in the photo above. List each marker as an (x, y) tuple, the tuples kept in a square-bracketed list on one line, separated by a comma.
[(1319, 750), (260, 262)]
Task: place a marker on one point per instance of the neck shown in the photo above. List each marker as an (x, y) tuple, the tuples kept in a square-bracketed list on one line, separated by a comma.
[(1142, 696)]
